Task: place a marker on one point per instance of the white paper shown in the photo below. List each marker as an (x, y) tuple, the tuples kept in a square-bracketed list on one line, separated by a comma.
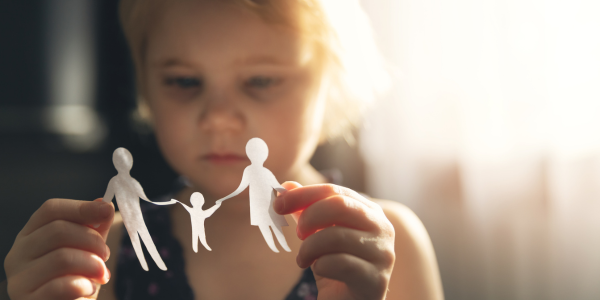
[(128, 191), (262, 183), (197, 215)]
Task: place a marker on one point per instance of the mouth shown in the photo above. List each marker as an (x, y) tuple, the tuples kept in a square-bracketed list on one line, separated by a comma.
[(224, 159)]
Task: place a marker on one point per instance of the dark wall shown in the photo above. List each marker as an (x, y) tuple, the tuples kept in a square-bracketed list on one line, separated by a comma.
[(34, 164)]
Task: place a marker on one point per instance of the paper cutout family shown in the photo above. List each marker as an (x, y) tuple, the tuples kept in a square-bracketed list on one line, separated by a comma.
[(259, 179)]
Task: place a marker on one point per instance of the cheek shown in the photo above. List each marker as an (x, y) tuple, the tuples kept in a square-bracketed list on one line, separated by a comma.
[(295, 131), (173, 128)]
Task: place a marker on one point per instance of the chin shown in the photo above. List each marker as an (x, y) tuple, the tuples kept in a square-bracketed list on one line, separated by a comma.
[(218, 184)]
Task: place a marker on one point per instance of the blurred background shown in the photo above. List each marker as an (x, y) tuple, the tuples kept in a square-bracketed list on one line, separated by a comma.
[(491, 133)]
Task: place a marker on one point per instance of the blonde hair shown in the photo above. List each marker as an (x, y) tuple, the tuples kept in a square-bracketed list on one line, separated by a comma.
[(339, 29)]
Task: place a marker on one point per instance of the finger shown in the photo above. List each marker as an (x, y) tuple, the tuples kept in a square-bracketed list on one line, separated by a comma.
[(362, 278), (336, 210), (104, 227), (290, 185), (331, 240), (76, 211), (64, 234), (62, 262), (302, 197), (66, 287)]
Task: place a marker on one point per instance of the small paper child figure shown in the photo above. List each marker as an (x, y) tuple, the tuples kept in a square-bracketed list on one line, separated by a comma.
[(128, 191), (262, 182), (198, 216)]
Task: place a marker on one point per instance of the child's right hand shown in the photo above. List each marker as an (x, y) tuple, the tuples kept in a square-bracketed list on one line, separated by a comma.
[(59, 254)]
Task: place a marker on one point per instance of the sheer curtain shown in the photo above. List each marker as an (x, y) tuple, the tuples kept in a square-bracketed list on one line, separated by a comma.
[(492, 135)]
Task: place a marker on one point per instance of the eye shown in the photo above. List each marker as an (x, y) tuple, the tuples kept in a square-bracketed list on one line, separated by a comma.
[(184, 82), (262, 82)]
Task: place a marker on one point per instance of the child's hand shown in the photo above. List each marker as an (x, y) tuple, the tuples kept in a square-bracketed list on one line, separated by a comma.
[(59, 254), (348, 240)]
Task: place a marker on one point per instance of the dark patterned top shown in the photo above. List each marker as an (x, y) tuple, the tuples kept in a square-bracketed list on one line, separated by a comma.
[(133, 283)]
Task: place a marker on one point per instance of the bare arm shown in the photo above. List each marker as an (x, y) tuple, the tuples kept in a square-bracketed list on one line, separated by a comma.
[(241, 188)]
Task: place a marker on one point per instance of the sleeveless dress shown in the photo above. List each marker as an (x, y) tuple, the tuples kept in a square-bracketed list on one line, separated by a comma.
[(133, 283)]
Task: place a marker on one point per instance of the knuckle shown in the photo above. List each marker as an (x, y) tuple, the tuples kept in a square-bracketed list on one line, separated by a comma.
[(381, 282), (338, 202), (387, 229), (64, 257), (383, 227), (388, 256), (58, 225), (50, 205), (97, 240), (65, 288), (329, 264), (11, 289), (319, 267), (345, 265), (10, 263), (81, 209), (58, 231), (333, 189), (336, 236)]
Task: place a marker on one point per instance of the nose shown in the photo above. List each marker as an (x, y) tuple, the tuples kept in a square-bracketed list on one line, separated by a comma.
[(221, 113)]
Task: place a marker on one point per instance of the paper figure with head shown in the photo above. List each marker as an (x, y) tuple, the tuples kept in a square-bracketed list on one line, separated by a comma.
[(128, 192), (197, 215), (262, 183)]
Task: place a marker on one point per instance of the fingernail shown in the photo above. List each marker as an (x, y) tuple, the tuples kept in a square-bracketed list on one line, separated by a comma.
[(106, 276), (106, 253), (298, 262), (105, 272), (278, 206)]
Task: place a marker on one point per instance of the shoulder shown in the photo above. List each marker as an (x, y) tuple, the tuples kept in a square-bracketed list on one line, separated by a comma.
[(403, 218), (113, 241), (416, 273), (409, 230)]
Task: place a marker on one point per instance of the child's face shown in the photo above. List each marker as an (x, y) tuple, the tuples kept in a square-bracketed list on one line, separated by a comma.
[(218, 75)]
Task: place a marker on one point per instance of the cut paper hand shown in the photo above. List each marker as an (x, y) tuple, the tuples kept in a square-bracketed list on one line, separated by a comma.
[(262, 182), (128, 191), (197, 215)]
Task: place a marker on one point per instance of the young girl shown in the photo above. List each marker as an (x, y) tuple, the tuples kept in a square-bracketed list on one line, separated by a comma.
[(211, 75)]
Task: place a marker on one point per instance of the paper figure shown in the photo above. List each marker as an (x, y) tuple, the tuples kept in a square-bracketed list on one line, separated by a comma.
[(198, 216), (262, 182), (128, 192)]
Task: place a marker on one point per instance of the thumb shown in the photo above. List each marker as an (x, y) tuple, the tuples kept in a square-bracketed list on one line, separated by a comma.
[(290, 185), (104, 227)]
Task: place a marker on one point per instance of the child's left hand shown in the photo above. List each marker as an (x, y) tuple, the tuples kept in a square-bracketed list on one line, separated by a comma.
[(348, 240)]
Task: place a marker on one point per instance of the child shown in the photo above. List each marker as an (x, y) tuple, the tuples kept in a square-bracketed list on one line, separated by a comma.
[(211, 75)]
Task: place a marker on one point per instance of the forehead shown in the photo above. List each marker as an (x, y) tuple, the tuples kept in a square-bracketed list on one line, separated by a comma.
[(217, 32)]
